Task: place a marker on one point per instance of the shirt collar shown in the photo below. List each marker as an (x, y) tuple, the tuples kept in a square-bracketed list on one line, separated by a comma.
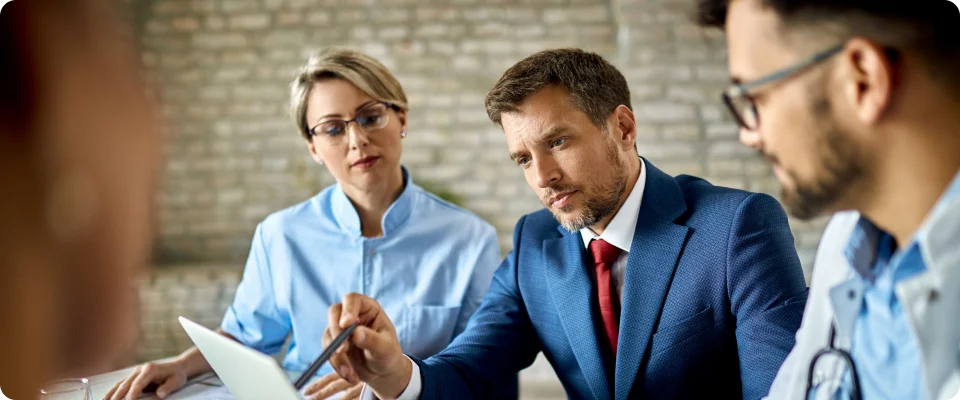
[(398, 213), (867, 240), (863, 247), (952, 192), (940, 230), (624, 223)]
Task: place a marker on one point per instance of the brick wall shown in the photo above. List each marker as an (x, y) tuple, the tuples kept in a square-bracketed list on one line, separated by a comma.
[(233, 156)]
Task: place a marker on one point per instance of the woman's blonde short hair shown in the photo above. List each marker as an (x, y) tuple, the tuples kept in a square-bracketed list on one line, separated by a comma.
[(363, 71)]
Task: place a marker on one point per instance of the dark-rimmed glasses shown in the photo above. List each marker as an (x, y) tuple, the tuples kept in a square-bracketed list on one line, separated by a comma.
[(741, 104)]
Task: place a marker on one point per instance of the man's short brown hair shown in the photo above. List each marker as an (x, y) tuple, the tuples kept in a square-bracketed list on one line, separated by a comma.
[(596, 86)]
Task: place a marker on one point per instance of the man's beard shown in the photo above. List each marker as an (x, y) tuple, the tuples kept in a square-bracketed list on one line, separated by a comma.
[(600, 206), (841, 166)]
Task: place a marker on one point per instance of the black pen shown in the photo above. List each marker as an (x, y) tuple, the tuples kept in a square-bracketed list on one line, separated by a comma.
[(324, 356)]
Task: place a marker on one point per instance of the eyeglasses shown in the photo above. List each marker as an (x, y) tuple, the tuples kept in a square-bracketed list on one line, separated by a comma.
[(848, 365), (369, 119), (741, 104)]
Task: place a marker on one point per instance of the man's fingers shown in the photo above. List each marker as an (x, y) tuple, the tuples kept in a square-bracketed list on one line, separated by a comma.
[(333, 319), (343, 365), (353, 393), (321, 383), (377, 344), (333, 388), (357, 307), (327, 337)]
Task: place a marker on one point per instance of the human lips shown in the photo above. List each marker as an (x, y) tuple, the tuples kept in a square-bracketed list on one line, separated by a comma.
[(561, 200), (365, 162)]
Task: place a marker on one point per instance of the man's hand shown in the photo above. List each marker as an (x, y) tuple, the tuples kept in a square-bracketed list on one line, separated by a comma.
[(372, 354), (330, 385)]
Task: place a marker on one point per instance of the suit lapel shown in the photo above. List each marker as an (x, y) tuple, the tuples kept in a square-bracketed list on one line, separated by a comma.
[(572, 290), (657, 243)]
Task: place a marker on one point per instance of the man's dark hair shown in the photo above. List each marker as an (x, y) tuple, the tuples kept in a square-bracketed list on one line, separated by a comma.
[(596, 86), (929, 27)]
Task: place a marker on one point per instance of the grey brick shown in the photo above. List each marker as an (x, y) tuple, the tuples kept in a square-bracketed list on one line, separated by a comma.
[(348, 17), (288, 19), (319, 18), (392, 33), (184, 24), (666, 150), (212, 41), (714, 112), (660, 73), (728, 150), (481, 14), (232, 6), (432, 30), (722, 131), (685, 132), (215, 23), (664, 111), (391, 15), (434, 14), (250, 22)]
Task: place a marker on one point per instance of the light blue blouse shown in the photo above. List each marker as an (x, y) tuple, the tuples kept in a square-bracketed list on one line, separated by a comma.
[(429, 271)]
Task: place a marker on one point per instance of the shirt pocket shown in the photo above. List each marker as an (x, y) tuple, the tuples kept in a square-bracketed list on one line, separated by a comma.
[(426, 330)]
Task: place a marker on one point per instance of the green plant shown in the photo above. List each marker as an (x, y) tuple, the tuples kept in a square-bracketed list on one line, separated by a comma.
[(441, 192)]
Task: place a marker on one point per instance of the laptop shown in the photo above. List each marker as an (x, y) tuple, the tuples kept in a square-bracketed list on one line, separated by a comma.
[(247, 373)]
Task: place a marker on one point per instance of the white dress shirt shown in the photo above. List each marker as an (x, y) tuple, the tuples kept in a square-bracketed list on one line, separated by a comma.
[(620, 230), (619, 233)]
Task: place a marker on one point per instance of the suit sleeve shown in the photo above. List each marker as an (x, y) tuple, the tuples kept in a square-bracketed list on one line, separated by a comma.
[(499, 341), (791, 381), (766, 288)]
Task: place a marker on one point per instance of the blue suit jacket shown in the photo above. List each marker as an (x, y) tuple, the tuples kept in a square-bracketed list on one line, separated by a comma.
[(713, 296)]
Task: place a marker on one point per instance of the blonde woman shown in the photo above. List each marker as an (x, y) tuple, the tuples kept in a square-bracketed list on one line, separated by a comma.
[(374, 232)]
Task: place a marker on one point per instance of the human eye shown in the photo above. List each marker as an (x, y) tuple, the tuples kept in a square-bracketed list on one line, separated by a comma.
[(332, 128), (557, 142), (370, 120)]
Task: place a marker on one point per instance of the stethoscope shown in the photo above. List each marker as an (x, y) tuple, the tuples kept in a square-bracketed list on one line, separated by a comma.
[(843, 355)]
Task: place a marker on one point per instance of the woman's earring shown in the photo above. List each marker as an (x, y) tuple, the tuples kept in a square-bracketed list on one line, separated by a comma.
[(403, 134)]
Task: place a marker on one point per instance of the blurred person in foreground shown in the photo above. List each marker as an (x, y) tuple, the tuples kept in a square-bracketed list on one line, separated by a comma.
[(632, 282), (78, 153), (857, 105), (374, 232)]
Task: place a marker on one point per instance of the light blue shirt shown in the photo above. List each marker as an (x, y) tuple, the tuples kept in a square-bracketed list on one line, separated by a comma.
[(429, 271), (883, 347)]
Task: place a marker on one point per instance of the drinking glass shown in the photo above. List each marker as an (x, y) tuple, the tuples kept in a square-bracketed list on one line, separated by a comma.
[(66, 389)]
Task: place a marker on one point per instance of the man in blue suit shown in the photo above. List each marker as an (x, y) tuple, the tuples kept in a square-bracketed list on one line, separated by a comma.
[(633, 283)]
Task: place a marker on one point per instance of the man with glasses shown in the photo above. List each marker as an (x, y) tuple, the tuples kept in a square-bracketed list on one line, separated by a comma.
[(857, 105)]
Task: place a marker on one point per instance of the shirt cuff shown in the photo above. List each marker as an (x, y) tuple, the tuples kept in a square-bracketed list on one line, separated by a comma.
[(412, 392)]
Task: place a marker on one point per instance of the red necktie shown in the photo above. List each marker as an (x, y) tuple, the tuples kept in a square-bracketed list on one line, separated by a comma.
[(604, 255)]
